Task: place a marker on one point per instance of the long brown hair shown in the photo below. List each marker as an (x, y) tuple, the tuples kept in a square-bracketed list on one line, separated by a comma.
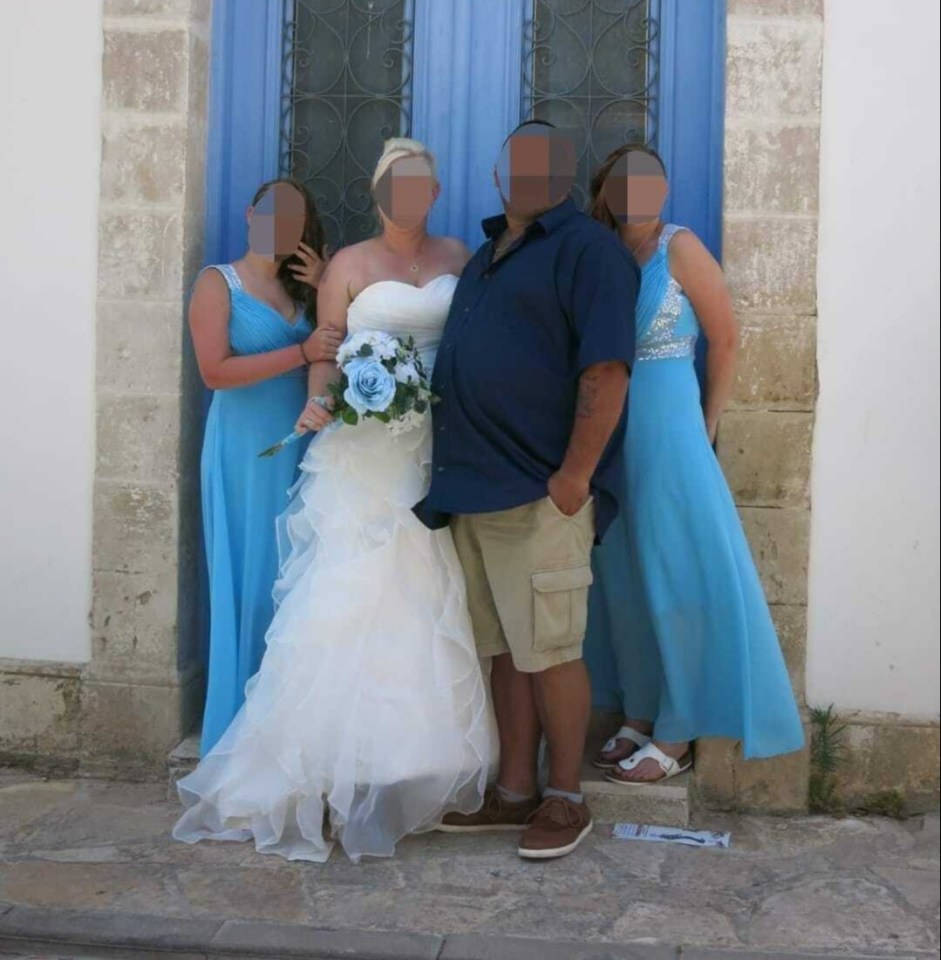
[(313, 235), (597, 207)]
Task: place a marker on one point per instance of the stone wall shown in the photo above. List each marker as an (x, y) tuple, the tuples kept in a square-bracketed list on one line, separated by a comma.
[(141, 688), (139, 693), (772, 130)]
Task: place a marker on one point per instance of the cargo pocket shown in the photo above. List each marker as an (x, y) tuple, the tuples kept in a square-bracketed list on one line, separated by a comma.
[(560, 606)]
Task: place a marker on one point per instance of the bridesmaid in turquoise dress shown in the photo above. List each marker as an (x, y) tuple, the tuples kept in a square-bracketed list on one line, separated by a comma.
[(253, 326), (679, 623)]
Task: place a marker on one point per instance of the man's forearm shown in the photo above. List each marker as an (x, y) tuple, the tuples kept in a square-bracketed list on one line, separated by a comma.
[(602, 389)]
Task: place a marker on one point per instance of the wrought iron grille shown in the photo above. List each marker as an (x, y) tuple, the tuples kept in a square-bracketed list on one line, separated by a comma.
[(347, 88), (591, 67)]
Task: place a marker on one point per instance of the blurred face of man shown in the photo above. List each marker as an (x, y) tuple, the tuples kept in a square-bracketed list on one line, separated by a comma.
[(535, 170)]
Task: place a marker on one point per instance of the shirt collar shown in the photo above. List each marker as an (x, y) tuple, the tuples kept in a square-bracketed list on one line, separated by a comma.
[(549, 221)]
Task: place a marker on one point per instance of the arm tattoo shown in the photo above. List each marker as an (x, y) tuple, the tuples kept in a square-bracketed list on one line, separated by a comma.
[(586, 405)]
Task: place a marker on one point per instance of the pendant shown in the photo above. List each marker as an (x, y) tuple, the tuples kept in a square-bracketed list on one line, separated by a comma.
[(414, 268)]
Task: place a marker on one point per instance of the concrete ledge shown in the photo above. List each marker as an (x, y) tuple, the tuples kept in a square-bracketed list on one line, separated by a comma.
[(54, 926), (148, 937), (238, 938), (477, 947)]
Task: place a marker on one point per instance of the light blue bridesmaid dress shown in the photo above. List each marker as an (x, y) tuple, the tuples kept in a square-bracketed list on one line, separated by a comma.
[(680, 631), (242, 497)]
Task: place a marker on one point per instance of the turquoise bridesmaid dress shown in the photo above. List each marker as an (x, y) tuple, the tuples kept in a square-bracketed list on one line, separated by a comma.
[(242, 497), (679, 632)]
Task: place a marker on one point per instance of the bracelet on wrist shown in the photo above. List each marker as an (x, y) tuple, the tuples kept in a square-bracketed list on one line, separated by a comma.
[(307, 359)]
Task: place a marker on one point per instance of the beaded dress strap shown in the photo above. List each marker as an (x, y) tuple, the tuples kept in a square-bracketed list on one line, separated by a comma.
[(229, 274)]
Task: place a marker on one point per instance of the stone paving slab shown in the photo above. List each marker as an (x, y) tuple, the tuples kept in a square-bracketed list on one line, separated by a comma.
[(787, 887)]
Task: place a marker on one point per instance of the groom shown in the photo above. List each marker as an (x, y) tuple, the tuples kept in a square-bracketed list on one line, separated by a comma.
[(532, 375)]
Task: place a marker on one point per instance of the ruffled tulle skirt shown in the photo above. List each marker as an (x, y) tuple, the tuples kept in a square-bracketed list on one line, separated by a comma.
[(369, 717)]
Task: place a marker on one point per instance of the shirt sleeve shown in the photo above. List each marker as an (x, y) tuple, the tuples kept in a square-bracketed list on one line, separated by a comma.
[(605, 286)]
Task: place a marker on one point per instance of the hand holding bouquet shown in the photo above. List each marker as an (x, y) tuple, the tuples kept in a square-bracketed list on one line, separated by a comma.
[(382, 378)]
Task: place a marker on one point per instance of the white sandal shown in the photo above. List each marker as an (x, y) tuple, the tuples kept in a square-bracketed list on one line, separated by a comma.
[(625, 733), (668, 766)]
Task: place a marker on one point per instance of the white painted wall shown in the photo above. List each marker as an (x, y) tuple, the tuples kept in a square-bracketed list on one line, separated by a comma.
[(50, 89), (874, 578)]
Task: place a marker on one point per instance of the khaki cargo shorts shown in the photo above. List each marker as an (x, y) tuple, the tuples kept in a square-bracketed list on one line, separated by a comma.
[(528, 571)]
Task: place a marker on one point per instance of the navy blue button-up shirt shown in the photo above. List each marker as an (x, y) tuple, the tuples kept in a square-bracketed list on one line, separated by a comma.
[(520, 332)]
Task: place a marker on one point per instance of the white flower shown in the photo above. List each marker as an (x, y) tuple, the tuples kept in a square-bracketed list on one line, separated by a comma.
[(408, 421), (382, 346), (407, 372), (385, 346)]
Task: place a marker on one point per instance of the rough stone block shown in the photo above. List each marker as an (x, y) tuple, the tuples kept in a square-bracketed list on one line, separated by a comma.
[(140, 255), (777, 363), (39, 711), (725, 780), (771, 264), (766, 457), (773, 68), (138, 438), (776, 8), (771, 170), (139, 347), (790, 621), (885, 753), (143, 164), (134, 528), (779, 544), (134, 627), (197, 95), (128, 729), (145, 70)]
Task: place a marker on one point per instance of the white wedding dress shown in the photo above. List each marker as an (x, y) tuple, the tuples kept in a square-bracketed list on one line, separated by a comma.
[(369, 709)]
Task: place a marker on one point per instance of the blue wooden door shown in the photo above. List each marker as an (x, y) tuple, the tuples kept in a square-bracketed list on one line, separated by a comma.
[(314, 86)]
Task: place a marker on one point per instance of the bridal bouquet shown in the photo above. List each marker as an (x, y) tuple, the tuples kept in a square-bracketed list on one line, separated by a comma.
[(383, 378)]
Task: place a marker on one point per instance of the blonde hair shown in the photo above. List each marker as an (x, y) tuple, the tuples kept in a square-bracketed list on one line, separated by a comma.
[(397, 149)]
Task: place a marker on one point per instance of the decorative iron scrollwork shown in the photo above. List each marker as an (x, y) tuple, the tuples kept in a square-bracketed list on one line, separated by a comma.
[(347, 89), (591, 67)]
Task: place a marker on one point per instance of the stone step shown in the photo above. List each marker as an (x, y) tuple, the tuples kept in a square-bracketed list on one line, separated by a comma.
[(182, 760), (664, 804)]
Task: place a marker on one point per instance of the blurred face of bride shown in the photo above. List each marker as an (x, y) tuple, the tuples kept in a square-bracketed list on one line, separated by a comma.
[(405, 192)]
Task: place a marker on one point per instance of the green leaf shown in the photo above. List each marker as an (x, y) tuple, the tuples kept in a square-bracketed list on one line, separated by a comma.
[(350, 416)]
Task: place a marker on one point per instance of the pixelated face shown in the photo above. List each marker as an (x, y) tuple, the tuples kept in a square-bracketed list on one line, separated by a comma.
[(406, 191), (635, 189), (276, 222), (535, 170)]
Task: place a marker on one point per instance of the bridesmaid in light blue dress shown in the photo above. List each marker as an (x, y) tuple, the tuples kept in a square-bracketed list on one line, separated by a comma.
[(253, 325), (679, 622)]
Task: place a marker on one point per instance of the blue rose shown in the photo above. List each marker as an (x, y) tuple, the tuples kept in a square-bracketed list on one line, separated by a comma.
[(371, 388)]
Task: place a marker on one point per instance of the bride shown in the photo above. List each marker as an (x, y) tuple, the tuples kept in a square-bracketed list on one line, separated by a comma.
[(368, 718)]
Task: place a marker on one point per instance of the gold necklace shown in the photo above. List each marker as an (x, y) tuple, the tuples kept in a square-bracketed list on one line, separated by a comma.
[(415, 265)]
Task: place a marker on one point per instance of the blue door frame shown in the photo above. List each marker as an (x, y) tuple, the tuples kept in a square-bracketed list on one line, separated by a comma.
[(246, 105)]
